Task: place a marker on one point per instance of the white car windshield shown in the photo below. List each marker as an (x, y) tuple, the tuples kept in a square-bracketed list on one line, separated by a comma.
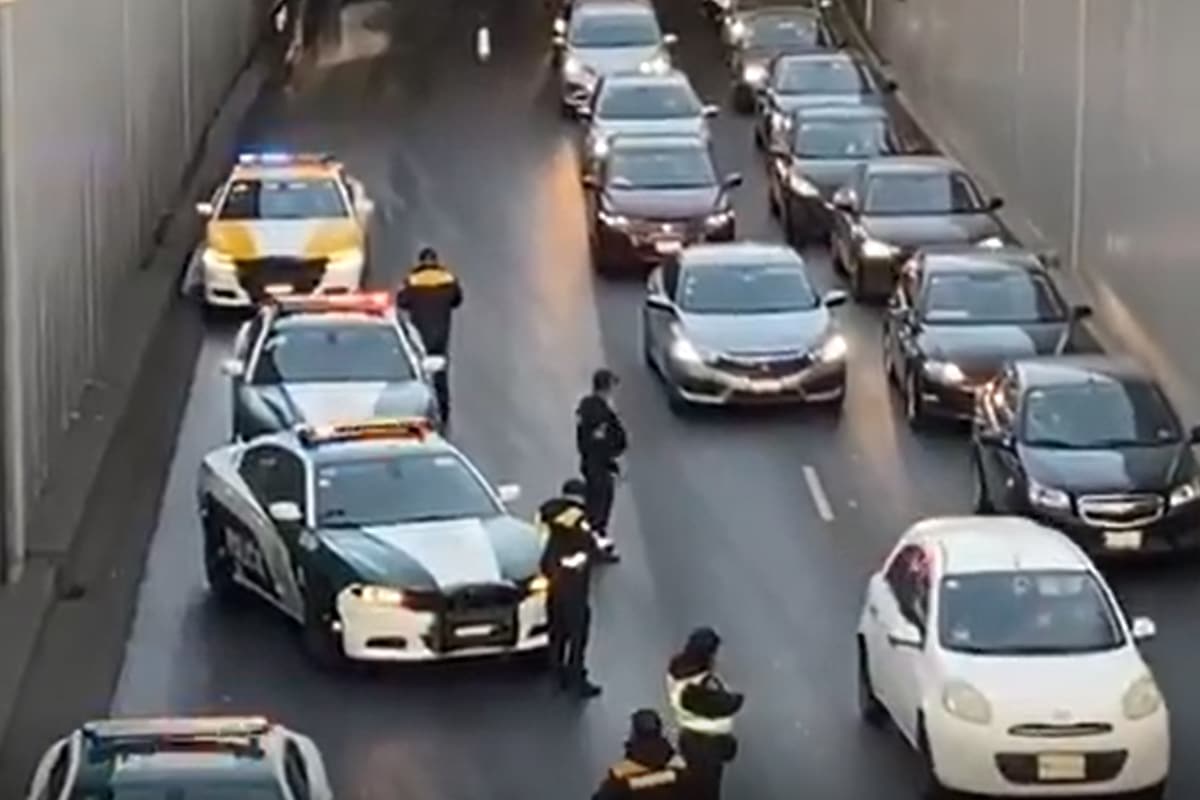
[(398, 489), (363, 353), (283, 200), (1050, 612)]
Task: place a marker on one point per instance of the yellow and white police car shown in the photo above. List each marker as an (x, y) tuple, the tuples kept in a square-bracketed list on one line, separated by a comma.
[(381, 538), (283, 224)]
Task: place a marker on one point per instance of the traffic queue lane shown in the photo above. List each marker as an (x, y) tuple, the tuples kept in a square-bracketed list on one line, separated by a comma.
[(763, 524)]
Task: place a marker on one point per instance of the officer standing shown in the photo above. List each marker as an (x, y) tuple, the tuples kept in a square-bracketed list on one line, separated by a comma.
[(430, 294), (704, 711), (601, 440), (650, 770), (567, 559)]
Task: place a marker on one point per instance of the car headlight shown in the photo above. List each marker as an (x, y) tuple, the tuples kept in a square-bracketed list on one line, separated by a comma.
[(574, 69), (684, 351), (380, 595), (801, 186), (754, 74), (540, 584), (613, 220), (560, 26), (944, 372), (720, 219), (1048, 497), (655, 66), (1185, 493), (599, 146), (833, 348), (964, 701), (991, 243), (873, 248), (1141, 699), (215, 258), (737, 29)]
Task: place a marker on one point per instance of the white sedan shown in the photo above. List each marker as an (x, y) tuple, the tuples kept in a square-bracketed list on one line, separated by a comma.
[(1003, 657)]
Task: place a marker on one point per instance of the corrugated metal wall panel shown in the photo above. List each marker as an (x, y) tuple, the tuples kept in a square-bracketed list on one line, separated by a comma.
[(1094, 144), (107, 99)]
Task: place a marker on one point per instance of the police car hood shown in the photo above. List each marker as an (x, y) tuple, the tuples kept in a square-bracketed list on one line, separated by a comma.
[(303, 238), (329, 403), (439, 556)]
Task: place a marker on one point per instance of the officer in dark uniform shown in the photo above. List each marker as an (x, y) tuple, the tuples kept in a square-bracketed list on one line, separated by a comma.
[(567, 559), (601, 440), (704, 710), (430, 294), (650, 770)]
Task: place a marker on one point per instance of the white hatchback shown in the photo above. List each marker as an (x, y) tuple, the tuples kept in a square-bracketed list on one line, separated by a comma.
[(1003, 657)]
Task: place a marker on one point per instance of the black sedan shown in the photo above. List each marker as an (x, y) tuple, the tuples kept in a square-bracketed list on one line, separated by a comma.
[(1091, 446), (723, 10), (825, 145), (894, 206), (958, 315), (653, 195), (812, 79), (323, 361), (741, 323), (759, 36)]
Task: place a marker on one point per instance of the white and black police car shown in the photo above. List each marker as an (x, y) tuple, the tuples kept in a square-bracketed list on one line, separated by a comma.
[(381, 538)]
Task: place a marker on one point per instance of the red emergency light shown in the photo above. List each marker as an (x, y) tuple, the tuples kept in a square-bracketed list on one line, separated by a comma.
[(367, 302)]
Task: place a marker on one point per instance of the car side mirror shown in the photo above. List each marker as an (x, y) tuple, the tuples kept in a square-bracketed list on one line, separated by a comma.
[(732, 180), (1195, 434), (1081, 311), (560, 41), (890, 86), (670, 39), (233, 367), (660, 302), (905, 634), (591, 182), (433, 364), (711, 110), (995, 204), (509, 492), (205, 209), (844, 203), (995, 438), (834, 298), (1143, 629), (286, 512)]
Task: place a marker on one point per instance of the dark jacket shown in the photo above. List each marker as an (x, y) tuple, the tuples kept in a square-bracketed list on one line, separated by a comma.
[(570, 550), (599, 434), (430, 294), (701, 701), (650, 771)]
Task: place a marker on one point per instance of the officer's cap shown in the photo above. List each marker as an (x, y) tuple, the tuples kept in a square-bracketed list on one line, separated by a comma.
[(603, 379), (645, 723), (703, 642), (427, 255), (574, 487)]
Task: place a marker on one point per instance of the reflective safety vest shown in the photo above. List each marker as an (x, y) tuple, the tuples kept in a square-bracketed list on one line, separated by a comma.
[(689, 720), (639, 777)]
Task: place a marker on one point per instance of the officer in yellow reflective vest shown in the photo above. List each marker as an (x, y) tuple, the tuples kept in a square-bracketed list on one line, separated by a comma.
[(650, 770), (430, 294), (704, 712)]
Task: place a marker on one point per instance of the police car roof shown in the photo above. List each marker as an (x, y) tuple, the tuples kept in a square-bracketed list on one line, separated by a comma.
[(992, 544), (284, 172), (321, 319), (738, 254), (372, 447)]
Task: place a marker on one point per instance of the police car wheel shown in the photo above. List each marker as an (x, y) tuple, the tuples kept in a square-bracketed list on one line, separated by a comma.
[(219, 569), (321, 643), (870, 710)]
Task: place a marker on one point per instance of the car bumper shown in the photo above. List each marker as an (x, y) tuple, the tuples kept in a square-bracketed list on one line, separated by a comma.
[(702, 385), (988, 760), (637, 248), (1174, 532), (222, 288), (384, 633)]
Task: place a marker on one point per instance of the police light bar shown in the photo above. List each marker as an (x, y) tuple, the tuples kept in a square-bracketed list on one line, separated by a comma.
[(150, 729), (368, 302), (418, 428), (282, 159)]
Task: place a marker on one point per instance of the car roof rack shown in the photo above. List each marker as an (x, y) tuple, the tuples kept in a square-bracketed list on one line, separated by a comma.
[(401, 428)]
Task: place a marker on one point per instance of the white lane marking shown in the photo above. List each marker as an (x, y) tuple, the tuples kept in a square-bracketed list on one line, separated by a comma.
[(483, 43), (818, 493)]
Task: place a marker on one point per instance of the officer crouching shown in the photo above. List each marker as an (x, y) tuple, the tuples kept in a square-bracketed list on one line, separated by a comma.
[(650, 770), (704, 710)]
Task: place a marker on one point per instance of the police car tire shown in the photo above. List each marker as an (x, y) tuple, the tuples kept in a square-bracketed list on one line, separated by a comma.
[(218, 565), (870, 710), (321, 644)]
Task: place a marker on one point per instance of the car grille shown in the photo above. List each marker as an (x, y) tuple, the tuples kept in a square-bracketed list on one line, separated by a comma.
[(490, 608), (1039, 730), (482, 597), (302, 275), (763, 365), (652, 230), (1022, 768), (1117, 511)]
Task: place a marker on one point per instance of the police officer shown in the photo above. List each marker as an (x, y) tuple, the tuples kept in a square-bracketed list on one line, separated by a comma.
[(430, 294), (704, 710), (567, 559), (650, 770), (601, 440)]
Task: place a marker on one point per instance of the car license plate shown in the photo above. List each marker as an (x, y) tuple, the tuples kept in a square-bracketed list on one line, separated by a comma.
[(766, 387), (474, 631), (1123, 540), (279, 288), (1061, 767), (668, 246)]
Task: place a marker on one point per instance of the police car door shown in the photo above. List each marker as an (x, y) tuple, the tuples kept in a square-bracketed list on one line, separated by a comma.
[(272, 475)]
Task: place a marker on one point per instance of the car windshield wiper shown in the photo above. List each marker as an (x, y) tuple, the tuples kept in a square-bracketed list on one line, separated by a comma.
[(1104, 443), (1057, 444), (1043, 650)]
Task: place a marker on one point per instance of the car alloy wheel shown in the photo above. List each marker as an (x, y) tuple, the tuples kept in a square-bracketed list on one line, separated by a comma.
[(321, 642), (870, 710)]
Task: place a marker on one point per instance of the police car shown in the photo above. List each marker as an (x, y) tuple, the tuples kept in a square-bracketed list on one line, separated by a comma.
[(244, 757), (283, 224), (382, 539), (319, 360)]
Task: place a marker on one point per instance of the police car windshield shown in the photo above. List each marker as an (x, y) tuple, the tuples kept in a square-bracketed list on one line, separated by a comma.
[(225, 790), (283, 200), (348, 353), (398, 489)]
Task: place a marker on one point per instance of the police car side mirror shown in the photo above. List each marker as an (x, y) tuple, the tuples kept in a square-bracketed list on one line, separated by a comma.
[(204, 209), (286, 512), (433, 364), (509, 492), (233, 367)]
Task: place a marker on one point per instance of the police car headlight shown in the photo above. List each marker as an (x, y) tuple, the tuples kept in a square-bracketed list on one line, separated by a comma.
[(873, 248), (833, 348), (754, 74), (801, 186), (946, 372), (215, 259), (379, 595)]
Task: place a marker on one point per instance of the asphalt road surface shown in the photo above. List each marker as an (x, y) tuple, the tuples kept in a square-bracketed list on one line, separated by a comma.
[(764, 525)]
